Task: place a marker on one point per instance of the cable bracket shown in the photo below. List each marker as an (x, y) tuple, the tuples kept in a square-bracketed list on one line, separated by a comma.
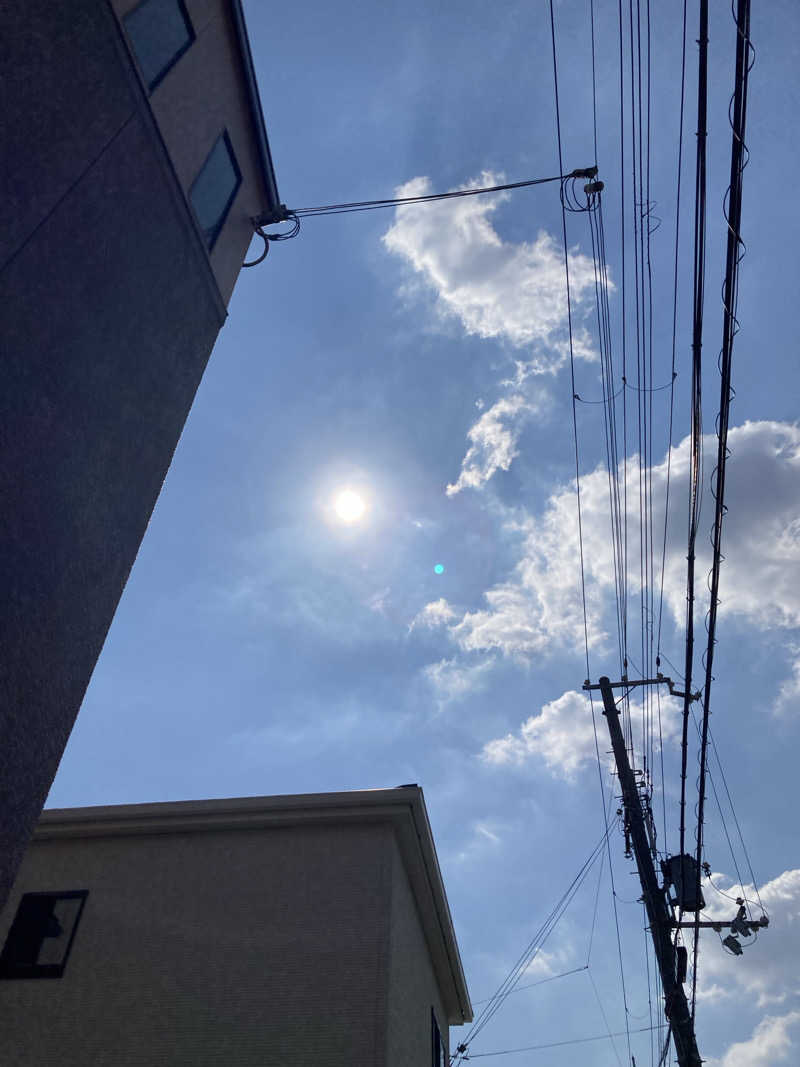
[(660, 679)]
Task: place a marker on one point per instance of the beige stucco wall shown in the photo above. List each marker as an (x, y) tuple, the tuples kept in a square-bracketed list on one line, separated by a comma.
[(203, 94), (268, 947)]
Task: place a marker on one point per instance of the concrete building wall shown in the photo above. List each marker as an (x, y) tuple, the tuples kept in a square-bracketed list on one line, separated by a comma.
[(246, 948), (413, 989), (111, 307)]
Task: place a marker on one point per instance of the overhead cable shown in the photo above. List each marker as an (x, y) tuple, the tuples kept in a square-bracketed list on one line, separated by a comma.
[(294, 215), (283, 213), (697, 426), (511, 980), (395, 201), (570, 1041), (541, 981), (730, 326), (594, 207), (674, 327), (605, 1019)]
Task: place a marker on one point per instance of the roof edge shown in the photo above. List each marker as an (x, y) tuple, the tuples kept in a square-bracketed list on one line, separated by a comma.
[(463, 1007), (256, 110), (210, 814)]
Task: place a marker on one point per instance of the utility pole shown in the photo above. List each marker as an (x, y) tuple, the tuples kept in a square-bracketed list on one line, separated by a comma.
[(655, 898)]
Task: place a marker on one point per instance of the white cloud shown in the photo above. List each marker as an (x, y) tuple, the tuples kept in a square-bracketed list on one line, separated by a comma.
[(495, 288), (546, 964), (767, 973), (485, 839), (770, 1043), (541, 602), (493, 442), (482, 830), (436, 613), (562, 735), (540, 606), (452, 680), (377, 601), (788, 698), (761, 539)]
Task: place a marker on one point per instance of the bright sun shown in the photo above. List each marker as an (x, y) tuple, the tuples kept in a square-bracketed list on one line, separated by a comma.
[(349, 506)]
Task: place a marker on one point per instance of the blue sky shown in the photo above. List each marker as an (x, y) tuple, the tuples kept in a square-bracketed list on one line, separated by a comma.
[(263, 646)]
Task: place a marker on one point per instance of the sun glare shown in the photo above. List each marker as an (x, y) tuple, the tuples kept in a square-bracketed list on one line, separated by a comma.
[(349, 506)]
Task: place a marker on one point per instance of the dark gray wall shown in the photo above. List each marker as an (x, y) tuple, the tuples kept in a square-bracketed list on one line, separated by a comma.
[(237, 948), (413, 989), (109, 313)]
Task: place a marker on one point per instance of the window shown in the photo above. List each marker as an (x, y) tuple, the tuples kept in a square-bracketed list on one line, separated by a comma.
[(214, 188), (437, 1046), (41, 935), (160, 32)]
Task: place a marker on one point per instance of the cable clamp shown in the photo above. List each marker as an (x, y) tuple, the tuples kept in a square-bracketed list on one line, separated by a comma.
[(280, 213), (267, 237)]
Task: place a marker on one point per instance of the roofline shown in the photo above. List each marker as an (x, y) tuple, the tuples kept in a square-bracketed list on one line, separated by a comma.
[(425, 838), (404, 807), (256, 111)]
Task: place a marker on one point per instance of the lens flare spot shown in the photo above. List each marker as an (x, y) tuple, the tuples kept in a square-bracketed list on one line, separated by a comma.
[(439, 568)]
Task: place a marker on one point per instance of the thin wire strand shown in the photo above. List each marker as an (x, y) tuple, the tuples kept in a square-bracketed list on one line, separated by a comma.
[(696, 431), (532, 985), (578, 490), (529, 953), (729, 330), (605, 1017), (396, 201), (735, 817), (674, 322), (570, 1041)]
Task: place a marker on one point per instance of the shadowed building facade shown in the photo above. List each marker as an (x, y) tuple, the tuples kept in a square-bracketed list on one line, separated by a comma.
[(134, 157), (255, 932)]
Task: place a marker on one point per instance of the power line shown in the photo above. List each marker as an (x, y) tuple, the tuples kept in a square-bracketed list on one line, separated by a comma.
[(735, 817), (395, 201), (738, 119), (605, 1018), (674, 323), (525, 959), (696, 430), (578, 492), (283, 214), (571, 1041), (294, 215), (594, 82), (623, 338), (532, 985), (594, 912)]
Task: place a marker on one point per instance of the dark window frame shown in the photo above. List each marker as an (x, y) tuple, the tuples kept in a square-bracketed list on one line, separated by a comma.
[(180, 4), (211, 240), (11, 970), (438, 1050)]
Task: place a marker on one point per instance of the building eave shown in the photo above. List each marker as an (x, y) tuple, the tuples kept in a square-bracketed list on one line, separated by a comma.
[(257, 114)]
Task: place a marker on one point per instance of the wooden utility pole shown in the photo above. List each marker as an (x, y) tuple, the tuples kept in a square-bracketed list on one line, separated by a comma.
[(655, 898)]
